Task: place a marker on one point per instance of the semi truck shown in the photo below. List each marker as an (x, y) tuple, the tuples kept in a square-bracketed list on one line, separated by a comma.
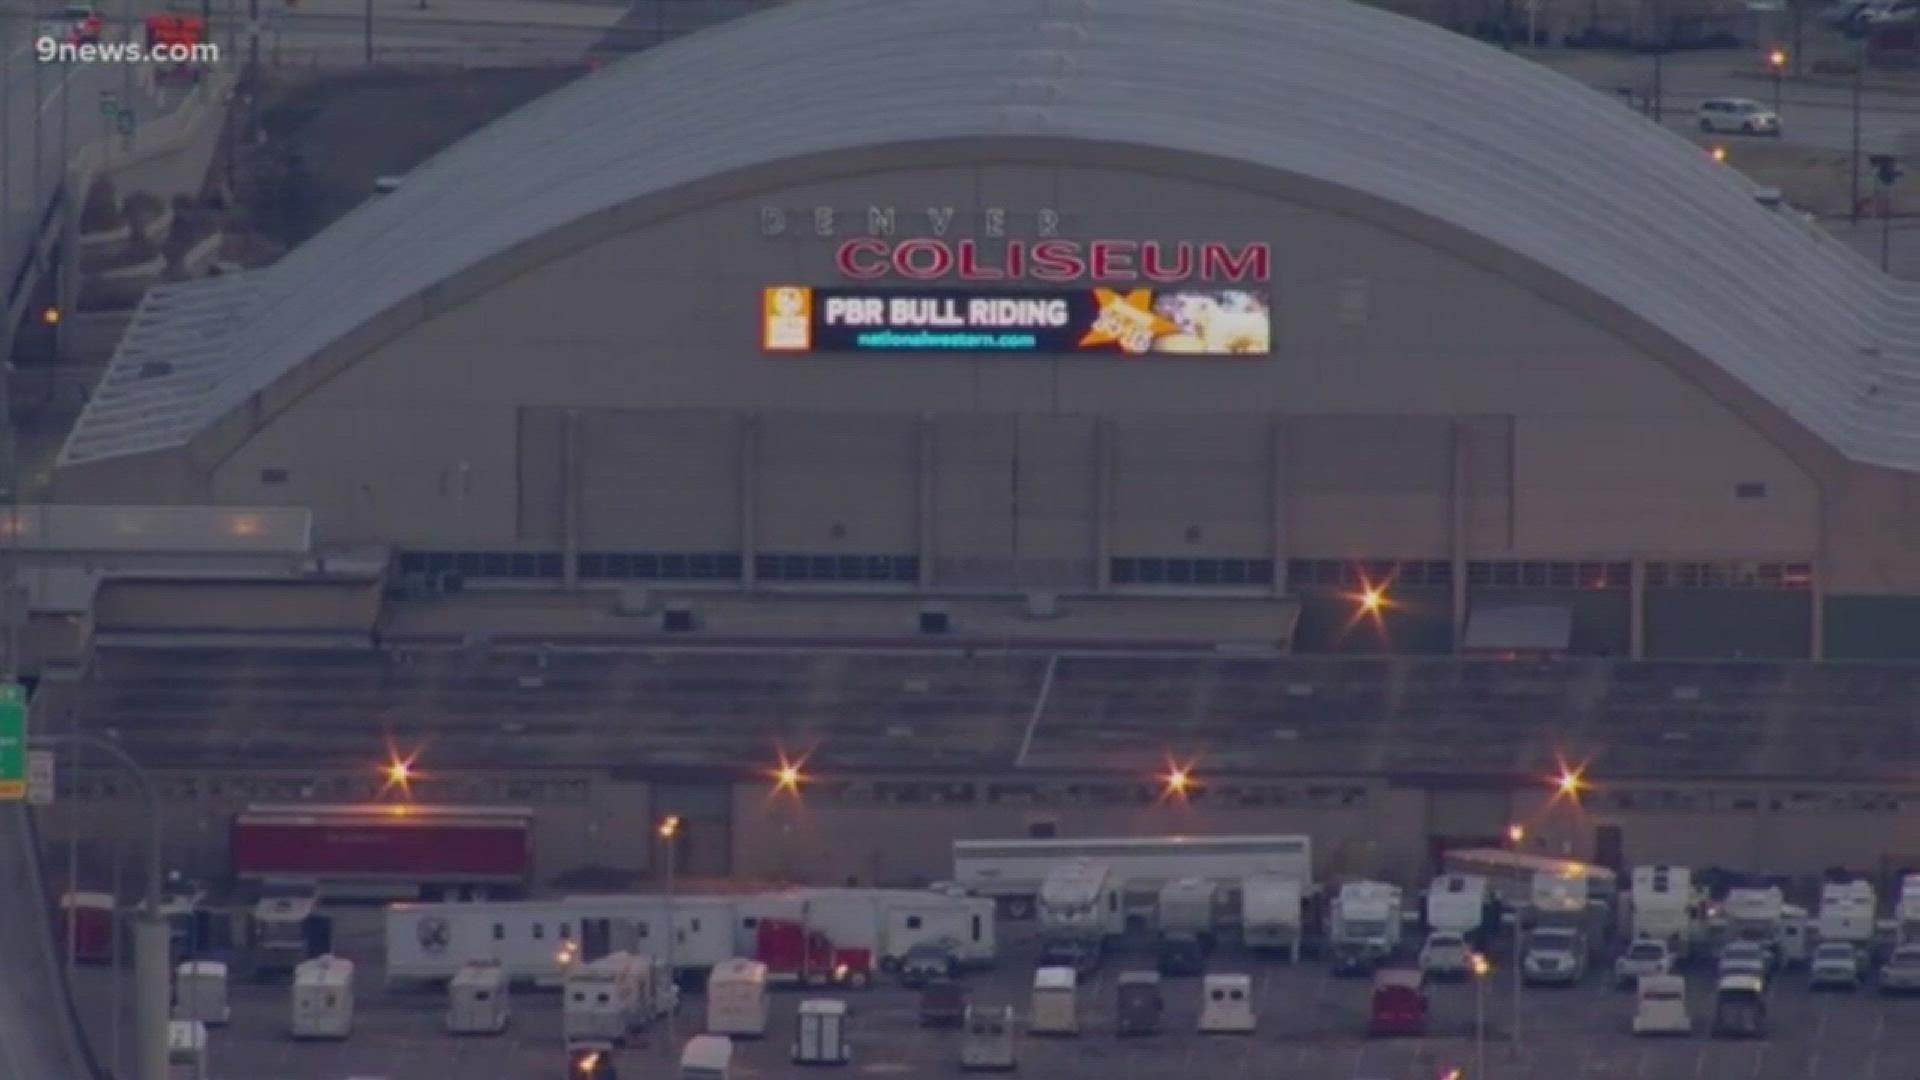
[(386, 851)]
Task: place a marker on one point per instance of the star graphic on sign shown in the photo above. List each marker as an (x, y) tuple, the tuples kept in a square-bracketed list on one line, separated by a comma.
[(1127, 320)]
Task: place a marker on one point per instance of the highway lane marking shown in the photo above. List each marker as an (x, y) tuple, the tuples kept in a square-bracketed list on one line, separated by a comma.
[(1759, 1058), (888, 1068), (1700, 1064)]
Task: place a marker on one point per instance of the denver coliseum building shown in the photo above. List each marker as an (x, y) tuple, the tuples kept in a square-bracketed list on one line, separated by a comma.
[(1519, 345)]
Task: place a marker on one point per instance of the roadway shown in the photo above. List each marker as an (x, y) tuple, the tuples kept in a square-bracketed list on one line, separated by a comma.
[(47, 112), (1812, 114)]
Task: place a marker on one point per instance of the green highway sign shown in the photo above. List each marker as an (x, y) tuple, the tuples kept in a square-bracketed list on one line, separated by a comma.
[(13, 742)]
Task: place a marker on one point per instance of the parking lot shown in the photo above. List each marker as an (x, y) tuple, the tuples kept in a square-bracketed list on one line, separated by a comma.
[(1310, 1025)]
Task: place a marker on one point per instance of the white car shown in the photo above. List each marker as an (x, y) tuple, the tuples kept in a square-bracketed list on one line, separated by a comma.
[(1901, 973), (1446, 955), (1742, 116), (1645, 956), (1835, 964)]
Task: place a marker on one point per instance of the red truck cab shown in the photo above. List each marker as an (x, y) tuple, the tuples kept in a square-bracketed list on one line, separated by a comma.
[(794, 953)]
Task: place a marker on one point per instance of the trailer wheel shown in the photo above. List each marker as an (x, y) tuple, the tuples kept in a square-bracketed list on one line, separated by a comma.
[(858, 980)]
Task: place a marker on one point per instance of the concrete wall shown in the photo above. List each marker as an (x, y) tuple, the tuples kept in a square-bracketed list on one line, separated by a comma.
[(1380, 340), (839, 830)]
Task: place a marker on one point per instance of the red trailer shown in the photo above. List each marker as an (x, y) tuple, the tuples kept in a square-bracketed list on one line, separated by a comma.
[(392, 850)]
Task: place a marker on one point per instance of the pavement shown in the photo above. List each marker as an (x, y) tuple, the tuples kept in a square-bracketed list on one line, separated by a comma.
[(1813, 112), (1311, 1027)]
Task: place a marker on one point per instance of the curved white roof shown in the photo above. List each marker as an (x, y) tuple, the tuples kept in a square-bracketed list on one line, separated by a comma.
[(1336, 92)]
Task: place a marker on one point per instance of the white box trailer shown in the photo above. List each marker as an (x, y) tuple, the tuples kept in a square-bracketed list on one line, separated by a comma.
[(479, 1000), (532, 941), (539, 941), (737, 998), (200, 992), (820, 1037), (887, 921), (323, 998), (1665, 906), (1011, 871), (1457, 903), (703, 926), (1270, 913)]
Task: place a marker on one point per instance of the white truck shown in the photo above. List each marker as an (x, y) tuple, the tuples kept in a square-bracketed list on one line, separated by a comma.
[(1847, 913), (1365, 925), (1270, 914), (1078, 909), (1457, 903), (1665, 907), (1907, 910), (1762, 916)]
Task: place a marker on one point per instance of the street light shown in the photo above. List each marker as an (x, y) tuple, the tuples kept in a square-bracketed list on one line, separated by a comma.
[(1777, 60), (1886, 170), (669, 833), (1481, 969), (152, 983)]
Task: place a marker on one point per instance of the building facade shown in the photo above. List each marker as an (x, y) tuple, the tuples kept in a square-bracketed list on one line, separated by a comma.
[(792, 373)]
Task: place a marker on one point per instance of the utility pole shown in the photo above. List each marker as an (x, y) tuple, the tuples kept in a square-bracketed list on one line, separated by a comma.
[(669, 836), (1859, 79)]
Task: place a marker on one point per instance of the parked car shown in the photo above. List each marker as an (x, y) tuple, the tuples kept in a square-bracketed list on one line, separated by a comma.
[(1644, 956), (1740, 1007), (1901, 973), (943, 1003), (1446, 955), (1742, 116), (1835, 965), (924, 963)]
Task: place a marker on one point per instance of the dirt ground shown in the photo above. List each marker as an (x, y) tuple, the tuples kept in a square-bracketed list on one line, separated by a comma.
[(327, 141), (1812, 179)]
